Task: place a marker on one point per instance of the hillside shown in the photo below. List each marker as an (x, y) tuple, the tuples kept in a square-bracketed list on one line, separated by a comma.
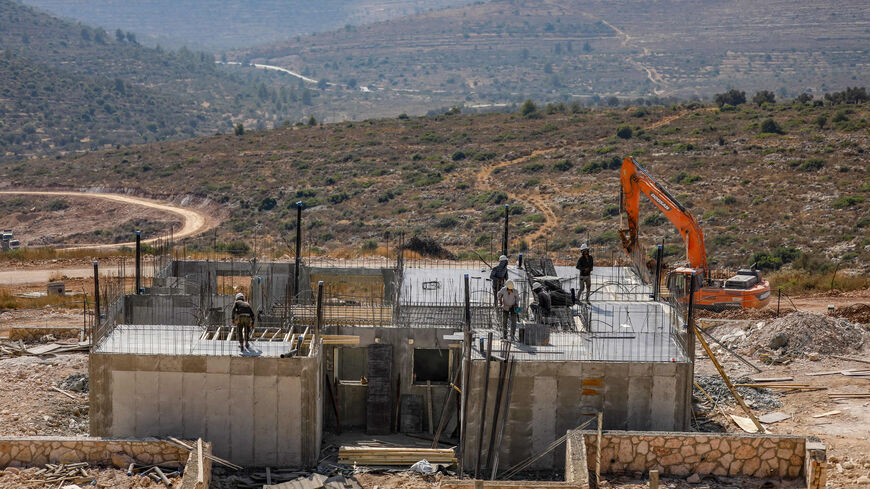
[(70, 87), (502, 51), (449, 176), (236, 24)]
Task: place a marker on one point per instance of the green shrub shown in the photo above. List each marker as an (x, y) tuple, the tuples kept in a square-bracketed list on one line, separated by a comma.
[(57, 205), (847, 201), (533, 167), (447, 222), (685, 178), (770, 126), (605, 237), (370, 245), (624, 132), (563, 165), (814, 164), (267, 204), (611, 210), (654, 220), (729, 200)]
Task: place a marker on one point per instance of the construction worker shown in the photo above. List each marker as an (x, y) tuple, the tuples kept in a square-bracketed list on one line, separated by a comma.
[(243, 318), (584, 264), (498, 275), (542, 304), (509, 302)]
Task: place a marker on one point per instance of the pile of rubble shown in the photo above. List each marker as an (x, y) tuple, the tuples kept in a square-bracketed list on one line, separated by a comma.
[(714, 386), (857, 313), (799, 334)]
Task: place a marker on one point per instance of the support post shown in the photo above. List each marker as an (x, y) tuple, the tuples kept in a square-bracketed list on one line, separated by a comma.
[(483, 403), (96, 296), (504, 240), (657, 287), (298, 250), (466, 374), (319, 323), (653, 479), (598, 450), (778, 300), (690, 324), (138, 262), (499, 392)]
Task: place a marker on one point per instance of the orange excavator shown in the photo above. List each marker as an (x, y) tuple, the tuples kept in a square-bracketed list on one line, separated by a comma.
[(745, 290)]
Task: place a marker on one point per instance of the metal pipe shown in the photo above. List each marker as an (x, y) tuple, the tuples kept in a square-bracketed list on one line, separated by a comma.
[(298, 250), (138, 262), (466, 374), (504, 241), (96, 296), (483, 403), (657, 287)]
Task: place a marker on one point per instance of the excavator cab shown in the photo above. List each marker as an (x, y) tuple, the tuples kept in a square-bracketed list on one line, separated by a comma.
[(684, 281)]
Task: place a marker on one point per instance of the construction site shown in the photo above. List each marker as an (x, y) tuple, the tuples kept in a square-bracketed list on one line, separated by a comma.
[(410, 368)]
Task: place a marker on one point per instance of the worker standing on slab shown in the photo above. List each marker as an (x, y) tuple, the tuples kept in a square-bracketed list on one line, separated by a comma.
[(584, 264), (498, 275), (243, 318), (542, 304), (509, 302)]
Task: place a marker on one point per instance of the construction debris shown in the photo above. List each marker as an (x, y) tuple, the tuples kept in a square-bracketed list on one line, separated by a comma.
[(394, 456), (755, 397), (18, 348)]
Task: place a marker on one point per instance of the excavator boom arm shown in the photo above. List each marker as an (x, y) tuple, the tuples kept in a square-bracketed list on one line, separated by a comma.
[(635, 180)]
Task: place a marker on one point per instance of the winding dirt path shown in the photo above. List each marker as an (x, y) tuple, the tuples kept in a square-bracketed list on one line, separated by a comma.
[(484, 181), (195, 222)]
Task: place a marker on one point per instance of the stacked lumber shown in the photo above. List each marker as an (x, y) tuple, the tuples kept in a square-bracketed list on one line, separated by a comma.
[(394, 456), (63, 474), (17, 348), (848, 395)]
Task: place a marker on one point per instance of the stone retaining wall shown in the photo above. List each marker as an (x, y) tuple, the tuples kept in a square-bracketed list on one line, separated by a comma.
[(684, 454), (40, 450)]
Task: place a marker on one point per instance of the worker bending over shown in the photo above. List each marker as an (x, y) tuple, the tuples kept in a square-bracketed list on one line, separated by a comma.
[(509, 302), (243, 318), (584, 264), (542, 304), (498, 275)]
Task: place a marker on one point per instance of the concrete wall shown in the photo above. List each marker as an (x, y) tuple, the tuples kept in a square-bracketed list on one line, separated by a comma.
[(351, 398), (254, 411), (550, 398)]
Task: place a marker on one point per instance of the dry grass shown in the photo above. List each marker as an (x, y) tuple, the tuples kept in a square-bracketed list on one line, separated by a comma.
[(803, 282), (9, 301), (23, 255)]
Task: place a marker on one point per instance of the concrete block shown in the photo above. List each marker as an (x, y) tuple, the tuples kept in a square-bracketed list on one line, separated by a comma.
[(662, 403), (147, 395), (193, 403), (616, 396), (290, 367), (170, 394), (193, 364), (265, 366), (170, 363), (664, 369), (217, 365), (123, 399), (217, 418), (265, 415), (146, 363), (242, 365), (544, 394), (639, 400), (241, 403), (289, 427)]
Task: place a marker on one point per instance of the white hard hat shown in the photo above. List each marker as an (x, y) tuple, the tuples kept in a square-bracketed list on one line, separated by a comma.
[(240, 296), (502, 258), (536, 286), (509, 284), (583, 247)]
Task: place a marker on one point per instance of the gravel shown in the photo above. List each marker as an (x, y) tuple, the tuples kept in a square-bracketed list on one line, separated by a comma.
[(715, 387)]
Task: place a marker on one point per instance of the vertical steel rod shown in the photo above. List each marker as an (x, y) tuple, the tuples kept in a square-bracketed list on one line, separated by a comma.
[(138, 262), (298, 249)]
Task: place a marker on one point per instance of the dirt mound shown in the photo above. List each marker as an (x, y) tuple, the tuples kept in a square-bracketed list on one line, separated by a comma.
[(715, 387), (765, 313), (799, 334), (857, 313)]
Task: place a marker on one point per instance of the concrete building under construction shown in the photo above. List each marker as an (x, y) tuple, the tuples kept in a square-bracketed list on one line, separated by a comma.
[(383, 346)]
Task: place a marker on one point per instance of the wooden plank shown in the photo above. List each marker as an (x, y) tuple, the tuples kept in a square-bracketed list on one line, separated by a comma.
[(67, 394), (775, 417), (829, 372), (773, 379), (745, 424), (829, 413), (378, 391), (850, 359)]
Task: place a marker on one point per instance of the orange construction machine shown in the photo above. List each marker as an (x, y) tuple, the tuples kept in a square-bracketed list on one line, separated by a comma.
[(746, 289)]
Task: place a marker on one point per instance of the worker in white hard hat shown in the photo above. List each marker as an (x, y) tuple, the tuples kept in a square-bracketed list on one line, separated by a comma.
[(243, 318), (584, 264), (498, 275), (509, 303)]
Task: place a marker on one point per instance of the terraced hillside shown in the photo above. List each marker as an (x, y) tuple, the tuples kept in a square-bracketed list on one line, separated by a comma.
[(236, 24), (499, 52), (805, 186)]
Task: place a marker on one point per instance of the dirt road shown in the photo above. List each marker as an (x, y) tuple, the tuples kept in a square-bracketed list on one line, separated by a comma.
[(195, 222)]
